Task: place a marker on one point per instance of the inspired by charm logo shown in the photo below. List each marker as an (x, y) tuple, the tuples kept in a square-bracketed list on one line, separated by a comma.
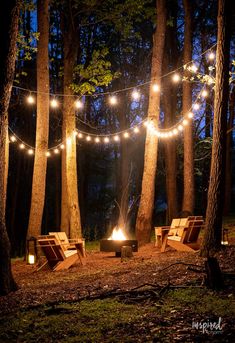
[(208, 327)]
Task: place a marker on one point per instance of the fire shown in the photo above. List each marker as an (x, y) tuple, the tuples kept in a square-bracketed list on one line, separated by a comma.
[(117, 235)]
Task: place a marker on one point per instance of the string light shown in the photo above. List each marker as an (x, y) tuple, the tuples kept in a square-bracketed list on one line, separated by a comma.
[(176, 78), (80, 135), (22, 146), (106, 139), (196, 106), (78, 104), (211, 56), (62, 147), (155, 87), (30, 151), (54, 103), (136, 130), (116, 138), (88, 138), (185, 122), (13, 139), (204, 93), (56, 151), (97, 140), (48, 154), (30, 99), (126, 135), (190, 115), (135, 95), (113, 100), (193, 68)]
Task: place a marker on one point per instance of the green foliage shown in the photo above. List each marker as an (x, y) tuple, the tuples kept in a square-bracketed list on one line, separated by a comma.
[(96, 73)]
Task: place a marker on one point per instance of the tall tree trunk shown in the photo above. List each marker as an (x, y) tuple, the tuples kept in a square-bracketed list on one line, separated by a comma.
[(9, 18), (169, 105), (42, 126), (213, 226), (145, 212), (229, 146), (189, 196), (69, 125)]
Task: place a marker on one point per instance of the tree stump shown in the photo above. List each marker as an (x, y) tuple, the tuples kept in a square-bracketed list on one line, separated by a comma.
[(126, 252), (214, 279)]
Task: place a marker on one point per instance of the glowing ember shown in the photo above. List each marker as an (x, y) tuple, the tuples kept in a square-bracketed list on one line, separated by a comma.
[(117, 235)]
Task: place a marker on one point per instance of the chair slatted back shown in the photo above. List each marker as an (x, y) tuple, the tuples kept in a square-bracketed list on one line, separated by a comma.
[(51, 248), (193, 231)]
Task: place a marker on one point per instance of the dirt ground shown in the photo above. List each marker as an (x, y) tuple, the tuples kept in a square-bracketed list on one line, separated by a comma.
[(104, 272)]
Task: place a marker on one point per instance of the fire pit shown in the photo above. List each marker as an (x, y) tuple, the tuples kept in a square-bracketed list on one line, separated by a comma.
[(116, 241)]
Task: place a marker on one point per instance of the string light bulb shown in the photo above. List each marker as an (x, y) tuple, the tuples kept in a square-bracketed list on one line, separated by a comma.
[(54, 103), (97, 140), (196, 106), (80, 135), (135, 95), (88, 138), (204, 93), (56, 151), (175, 131), (176, 78), (62, 147), (190, 115), (48, 154), (155, 87), (126, 135), (136, 130), (180, 127), (30, 151), (113, 100), (116, 138), (13, 139), (193, 68), (185, 122), (78, 104), (22, 146), (211, 56), (30, 99), (106, 139)]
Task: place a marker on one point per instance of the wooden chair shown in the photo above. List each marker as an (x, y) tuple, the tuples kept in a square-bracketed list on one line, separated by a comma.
[(161, 231), (69, 244), (57, 257), (185, 239)]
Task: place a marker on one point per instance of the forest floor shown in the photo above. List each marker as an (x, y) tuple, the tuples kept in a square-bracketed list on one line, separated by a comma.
[(153, 297)]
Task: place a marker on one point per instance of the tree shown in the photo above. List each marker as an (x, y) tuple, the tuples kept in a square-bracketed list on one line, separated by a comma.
[(9, 18), (188, 197), (71, 220), (145, 211), (42, 126), (213, 225)]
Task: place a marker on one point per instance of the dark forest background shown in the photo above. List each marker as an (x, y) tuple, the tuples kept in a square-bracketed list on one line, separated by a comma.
[(127, 42)]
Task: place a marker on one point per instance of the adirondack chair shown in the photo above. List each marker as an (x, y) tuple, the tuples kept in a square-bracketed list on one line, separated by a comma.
[(57, 258), (69, 244), (161, 231), (186, 239)]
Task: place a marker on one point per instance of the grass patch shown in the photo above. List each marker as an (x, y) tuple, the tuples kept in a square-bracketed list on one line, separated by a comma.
[(87, 321), (93, 245), (200, 301), (112, 321)]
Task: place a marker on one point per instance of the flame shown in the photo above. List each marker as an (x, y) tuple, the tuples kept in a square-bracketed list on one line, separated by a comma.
[(117, 235)]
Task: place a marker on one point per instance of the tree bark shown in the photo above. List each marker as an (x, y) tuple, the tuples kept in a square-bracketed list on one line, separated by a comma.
[(72, 219), (9, 18), (144, 216), (229, 145), (213, 226), (42, 126), (189, 189)]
